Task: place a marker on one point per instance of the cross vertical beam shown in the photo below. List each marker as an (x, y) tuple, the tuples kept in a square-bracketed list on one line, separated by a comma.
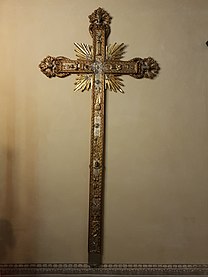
[(97, 152), (98, 68)]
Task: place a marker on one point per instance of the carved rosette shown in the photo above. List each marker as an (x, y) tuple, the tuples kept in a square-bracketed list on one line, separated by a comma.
[(47, 66), (150, 68), (98, 19)]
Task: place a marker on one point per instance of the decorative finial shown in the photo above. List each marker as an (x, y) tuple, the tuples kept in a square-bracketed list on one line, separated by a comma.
[(100, 18)]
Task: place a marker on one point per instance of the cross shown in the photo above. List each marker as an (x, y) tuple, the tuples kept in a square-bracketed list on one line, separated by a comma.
[(98, 68)]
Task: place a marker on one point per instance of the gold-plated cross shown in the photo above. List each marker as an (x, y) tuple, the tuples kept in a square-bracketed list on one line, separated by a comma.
[(99, 68)]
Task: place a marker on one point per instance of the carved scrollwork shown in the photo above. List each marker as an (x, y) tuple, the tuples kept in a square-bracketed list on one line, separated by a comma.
[(98, 19), (146, 68), (51, 67)]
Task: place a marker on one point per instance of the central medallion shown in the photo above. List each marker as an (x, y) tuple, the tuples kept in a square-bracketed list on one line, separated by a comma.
[(97, 67)]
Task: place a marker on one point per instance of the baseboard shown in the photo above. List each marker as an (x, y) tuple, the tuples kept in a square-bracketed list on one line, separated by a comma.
[(55, 269)]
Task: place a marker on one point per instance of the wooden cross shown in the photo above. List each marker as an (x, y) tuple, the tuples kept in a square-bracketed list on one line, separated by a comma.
[(98, 67)]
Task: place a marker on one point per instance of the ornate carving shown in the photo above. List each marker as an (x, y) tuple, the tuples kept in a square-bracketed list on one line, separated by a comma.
[(96, 164), (47, 66), (52, 67), (99, 68), (105, 269), (150, 68), (100, 19)]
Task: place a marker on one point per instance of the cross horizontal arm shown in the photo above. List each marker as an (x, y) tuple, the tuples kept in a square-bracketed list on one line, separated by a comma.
[(137, 67), (62, 67)]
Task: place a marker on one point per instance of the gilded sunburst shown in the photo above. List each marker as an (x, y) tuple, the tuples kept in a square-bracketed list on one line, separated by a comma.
[(83, 51), (83, 82), (113, 52), (114, 83)]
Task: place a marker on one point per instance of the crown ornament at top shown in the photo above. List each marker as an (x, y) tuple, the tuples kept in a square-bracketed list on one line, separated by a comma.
[(100, 18)]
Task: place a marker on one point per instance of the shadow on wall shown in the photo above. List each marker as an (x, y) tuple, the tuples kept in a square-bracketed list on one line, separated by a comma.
[(18, 182), (7, 240)]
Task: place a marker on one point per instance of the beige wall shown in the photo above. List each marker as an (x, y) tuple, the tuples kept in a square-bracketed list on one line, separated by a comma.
[(157, 135)]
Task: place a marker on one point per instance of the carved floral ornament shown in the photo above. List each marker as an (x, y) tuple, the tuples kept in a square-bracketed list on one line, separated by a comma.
[(100, 17), (47, 66)]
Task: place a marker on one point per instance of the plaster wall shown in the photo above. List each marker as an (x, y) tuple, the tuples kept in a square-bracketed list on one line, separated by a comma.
[(156, 142)]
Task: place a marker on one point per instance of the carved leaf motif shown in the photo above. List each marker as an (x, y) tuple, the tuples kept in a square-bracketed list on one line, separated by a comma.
[(100, 16), (83, 51), (115, 51)]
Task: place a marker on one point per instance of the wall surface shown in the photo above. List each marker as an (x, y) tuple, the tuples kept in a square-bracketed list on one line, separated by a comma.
[(156, 194)]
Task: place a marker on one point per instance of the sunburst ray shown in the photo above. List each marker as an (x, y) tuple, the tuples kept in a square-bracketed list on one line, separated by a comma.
[(83, 51), (83, 82), (115, 51), (113, 83)]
